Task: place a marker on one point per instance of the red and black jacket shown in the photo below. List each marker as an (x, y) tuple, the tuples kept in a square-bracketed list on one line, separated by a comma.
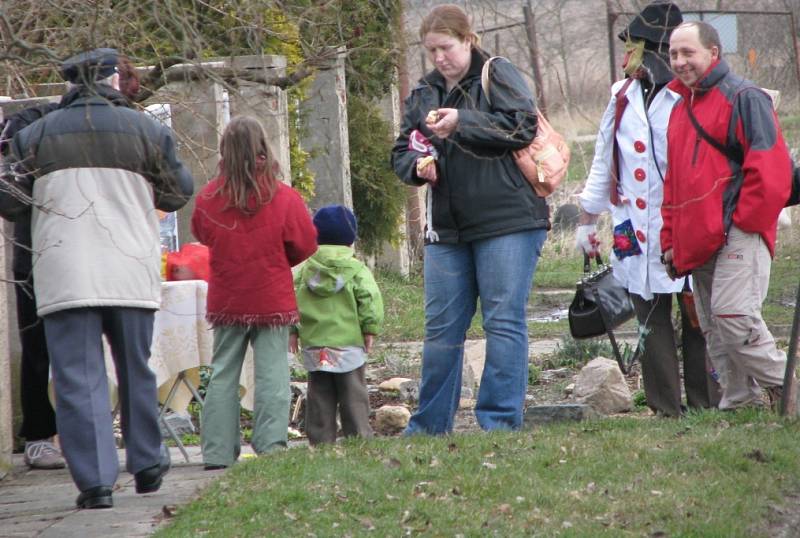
[(705, 190)]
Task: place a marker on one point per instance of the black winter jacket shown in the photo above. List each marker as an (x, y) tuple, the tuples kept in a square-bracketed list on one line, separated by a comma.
[(481, 192), (9, 204)]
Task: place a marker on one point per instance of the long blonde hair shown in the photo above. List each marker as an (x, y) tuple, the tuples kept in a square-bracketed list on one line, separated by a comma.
[(247, 165)]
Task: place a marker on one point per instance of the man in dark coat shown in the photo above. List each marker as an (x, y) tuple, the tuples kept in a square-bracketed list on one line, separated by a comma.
[(38, 418), (96, 171)]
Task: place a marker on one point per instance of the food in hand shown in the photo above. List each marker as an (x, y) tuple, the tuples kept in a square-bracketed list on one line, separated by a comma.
[(432, 117), (424, 162)]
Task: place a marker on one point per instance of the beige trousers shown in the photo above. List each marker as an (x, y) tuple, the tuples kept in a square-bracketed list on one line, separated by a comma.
[(729, 290)]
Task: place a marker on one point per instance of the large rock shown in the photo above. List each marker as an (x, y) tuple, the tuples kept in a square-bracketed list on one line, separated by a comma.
[(566, 218), (299, 389), (474, 358), (394, 384), (409, 390), (601, 385), (181, 424), (391, 419)]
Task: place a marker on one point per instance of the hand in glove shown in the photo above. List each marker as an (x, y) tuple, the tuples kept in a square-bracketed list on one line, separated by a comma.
[(586, 239)]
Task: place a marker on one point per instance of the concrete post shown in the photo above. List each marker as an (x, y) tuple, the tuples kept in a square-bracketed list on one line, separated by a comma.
[(196, 112), (327, 135), (6, 360), (267, 103), (202, 108), (393, 257)]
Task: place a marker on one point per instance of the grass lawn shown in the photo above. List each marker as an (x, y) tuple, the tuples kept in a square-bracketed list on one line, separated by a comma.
[(710, 474)]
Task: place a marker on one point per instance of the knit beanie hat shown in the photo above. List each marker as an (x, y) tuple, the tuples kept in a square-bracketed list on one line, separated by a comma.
[(336, 225), (88, 67)]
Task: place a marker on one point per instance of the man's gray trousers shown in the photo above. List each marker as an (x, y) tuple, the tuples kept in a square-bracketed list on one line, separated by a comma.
[(83, 408)]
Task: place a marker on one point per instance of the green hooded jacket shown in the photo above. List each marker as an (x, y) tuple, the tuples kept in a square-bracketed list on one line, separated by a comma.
[(338, 299)]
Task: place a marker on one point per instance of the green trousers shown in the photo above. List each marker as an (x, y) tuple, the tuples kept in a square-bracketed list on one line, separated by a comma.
[(220, 432)]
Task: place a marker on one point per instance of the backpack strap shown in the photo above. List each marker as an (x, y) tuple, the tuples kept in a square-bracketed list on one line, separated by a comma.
[(730, 152), (730, 196)]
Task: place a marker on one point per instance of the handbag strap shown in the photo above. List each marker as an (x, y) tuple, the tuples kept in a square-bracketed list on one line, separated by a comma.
[(624, 368), (587, 262), (486, 81)]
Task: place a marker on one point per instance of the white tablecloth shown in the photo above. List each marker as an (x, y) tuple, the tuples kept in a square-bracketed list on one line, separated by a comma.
[(182, 342)]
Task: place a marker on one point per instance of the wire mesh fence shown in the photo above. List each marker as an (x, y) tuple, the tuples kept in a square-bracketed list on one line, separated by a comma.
[(575, 48), (758, 45)]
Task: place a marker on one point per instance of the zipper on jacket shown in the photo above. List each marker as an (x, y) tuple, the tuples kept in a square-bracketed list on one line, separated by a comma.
[(696, 149), (697, 135)]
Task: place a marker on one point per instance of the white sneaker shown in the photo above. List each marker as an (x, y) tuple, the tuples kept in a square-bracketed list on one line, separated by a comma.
[(43, 455)]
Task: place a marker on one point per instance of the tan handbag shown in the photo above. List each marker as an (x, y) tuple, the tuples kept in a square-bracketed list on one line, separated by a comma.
[(545, 161)]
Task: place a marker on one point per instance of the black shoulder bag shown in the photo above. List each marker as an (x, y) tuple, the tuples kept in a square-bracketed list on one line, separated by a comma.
[(600, 305)]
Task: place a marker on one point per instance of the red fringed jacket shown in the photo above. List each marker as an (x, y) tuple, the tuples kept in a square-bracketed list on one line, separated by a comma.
[(252, 256)]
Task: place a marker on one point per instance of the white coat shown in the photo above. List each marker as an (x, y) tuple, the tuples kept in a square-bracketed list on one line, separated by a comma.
[(642, 140)]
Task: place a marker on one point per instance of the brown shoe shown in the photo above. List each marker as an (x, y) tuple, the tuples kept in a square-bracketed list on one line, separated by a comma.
[(775, 395)]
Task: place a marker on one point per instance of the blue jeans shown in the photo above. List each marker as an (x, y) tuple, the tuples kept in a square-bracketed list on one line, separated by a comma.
[(499, 271)]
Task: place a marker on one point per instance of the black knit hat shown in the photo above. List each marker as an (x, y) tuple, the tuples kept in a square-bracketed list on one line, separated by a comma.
[(90, 66), (336, 225), (654, 25)]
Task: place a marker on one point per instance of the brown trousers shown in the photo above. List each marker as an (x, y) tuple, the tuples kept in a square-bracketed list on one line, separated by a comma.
[(328, 391), (660, 372)]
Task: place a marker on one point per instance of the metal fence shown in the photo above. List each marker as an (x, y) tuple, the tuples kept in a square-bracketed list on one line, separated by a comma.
[(758, 45), (515, 40), (578, 51)]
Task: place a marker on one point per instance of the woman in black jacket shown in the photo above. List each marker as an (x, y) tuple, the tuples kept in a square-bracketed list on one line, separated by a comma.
[(485, 225)]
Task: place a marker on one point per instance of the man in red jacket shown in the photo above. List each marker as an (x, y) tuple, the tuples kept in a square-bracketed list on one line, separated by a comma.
[(729, 176)]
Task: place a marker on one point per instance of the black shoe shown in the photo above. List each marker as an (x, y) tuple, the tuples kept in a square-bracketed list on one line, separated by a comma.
[(149, 480), (214, 467), (96, 497)]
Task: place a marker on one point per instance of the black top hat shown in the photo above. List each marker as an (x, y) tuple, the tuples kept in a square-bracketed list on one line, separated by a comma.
[(654, 24), (90, 66)]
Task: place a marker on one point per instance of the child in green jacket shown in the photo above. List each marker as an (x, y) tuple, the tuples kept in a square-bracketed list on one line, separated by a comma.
[(341, 310)]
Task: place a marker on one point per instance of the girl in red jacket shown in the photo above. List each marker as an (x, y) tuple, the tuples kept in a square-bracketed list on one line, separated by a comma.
[(256, 229)]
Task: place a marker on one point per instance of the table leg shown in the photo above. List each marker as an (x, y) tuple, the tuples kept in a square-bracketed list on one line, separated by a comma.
[(163, 420)]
